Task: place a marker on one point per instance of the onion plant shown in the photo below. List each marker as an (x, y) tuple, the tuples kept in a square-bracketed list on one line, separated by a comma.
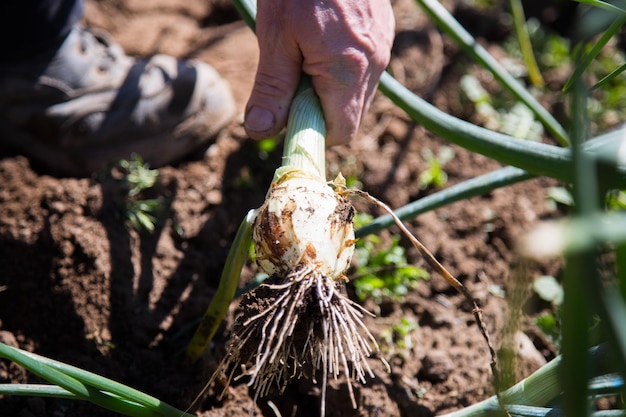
[(300, 320)]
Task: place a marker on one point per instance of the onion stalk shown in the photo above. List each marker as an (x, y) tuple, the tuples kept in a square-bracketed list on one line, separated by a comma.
[(299, 321)]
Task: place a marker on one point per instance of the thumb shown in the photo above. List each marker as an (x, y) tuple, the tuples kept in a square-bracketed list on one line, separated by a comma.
[(274, 86)]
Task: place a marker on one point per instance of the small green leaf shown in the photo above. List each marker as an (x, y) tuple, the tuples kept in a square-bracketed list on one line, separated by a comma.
[(549, 325)]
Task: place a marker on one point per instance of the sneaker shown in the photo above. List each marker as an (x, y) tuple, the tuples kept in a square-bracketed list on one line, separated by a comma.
[(88, 104)]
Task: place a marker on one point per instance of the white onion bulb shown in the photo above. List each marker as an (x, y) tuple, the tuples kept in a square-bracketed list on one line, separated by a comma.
[(303, 221)]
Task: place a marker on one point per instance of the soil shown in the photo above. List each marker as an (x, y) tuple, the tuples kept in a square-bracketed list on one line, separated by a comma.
[(79, 285)]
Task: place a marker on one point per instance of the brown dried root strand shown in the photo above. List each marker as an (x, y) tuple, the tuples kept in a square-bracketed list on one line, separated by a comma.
[(295, 325), (455, 283)]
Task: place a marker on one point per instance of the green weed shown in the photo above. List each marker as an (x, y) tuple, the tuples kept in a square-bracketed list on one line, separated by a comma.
[(142, 214), (382, 272), (616, 200), (399, 335), (402, 332), (434, 174)]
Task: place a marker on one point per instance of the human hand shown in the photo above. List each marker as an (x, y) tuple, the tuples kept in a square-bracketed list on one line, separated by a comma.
[(343, 44)]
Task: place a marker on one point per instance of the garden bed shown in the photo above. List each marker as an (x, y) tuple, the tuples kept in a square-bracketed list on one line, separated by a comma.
[(79, 285)]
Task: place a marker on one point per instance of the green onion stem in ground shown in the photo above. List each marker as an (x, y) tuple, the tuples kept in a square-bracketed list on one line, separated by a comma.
[(88, 386), (229, 280)]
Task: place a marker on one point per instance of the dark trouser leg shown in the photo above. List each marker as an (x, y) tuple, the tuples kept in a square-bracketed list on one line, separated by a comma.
[(30, 27)]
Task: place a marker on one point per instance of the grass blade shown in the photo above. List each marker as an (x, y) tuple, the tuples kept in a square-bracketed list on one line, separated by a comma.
[(618, 22), (603, 5), (526, 48), (610, 76)]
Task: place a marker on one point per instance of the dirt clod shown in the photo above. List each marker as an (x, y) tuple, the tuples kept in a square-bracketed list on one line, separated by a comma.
[(436, 366)]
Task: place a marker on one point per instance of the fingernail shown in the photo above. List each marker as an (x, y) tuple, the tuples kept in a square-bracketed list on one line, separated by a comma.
[(259, 120)]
